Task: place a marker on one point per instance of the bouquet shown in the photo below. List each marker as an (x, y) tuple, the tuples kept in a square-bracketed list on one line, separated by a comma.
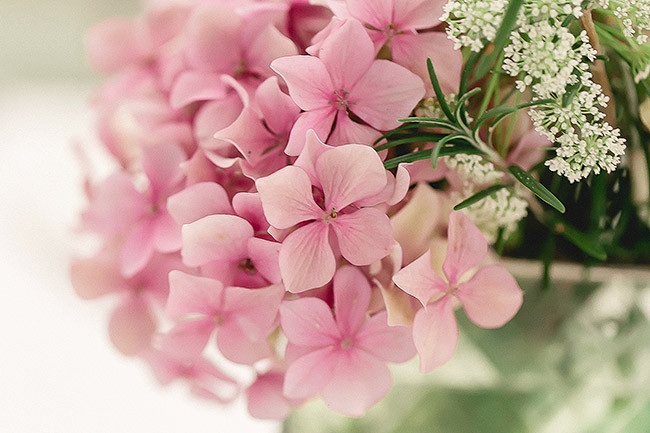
[(313, 189)]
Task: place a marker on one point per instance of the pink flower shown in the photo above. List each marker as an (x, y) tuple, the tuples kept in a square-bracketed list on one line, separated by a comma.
[(346, 175), (490, 298), (243, 317), (346, 79), (394, 23), (343, 357)]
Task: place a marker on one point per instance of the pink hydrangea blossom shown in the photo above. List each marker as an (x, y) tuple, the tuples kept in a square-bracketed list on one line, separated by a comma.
[(342, 357), (491, 297)]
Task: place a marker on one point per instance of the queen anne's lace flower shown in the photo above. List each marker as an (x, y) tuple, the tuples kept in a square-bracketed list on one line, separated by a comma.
[(471, 23)]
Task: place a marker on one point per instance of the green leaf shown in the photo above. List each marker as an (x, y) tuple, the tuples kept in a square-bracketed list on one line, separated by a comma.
[(586, 243), (467, 70), (537, 188), (460, 104), (502, 37), (478, 196), (426, 154), (438, 91), (435, 152), (430, 122), (500, 112), (424, 138), (395, 131), (570, 94)]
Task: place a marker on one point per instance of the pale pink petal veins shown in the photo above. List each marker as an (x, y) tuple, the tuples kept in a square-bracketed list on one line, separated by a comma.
[(131, 325), (435, 334), (249, 206), (215, 237), (491, 297), (189, 294), (198, 201), (359, 381), (386, 92), (377, 13), (277, 108), (186, 340), (364, 236), (419, 279), (320, 121), (309, 82), (417, 14), (287, 198), (347, 54), (248, 134), (348, 131), (308, 322), (313, 149), (351, 299), (266, 258), (388, 343), (349, 173), (309, 374), (466, 247)]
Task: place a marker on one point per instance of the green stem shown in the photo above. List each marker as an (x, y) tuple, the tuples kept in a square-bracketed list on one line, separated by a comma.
[(492, 86)]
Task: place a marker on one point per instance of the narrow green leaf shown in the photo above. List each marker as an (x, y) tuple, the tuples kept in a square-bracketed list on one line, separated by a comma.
[(467, 70), (424, 138), (537, 188), (430, 122), (502, 37), (395, 131), (460, 104), (426, 154), (588, 244), (478, 196), (438, 91), (494, 112), (435, 152)]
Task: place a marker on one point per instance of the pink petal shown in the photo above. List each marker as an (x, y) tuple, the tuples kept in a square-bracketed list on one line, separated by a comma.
[(186, 340), (491, 298), (412, 51), (309, 82), (358, 382), (435, 334), (131, 325), (269, 45), (254, 310), (215, 237), (193, 86), (349, 173), (364, 236), (466, 247), (249, 206), (313, 149), (115, 43), (138, 248), (96, 276), (214, 116), (308, 322), (236, 346), (377, 13), (266, 258), (198, 201), (418, 14), (189, 294), (287, 198), (418, 279), (306, 258), (351, 299), (320, 121), (348, 131), (309, 374), (166, 233), (212, 42), (347, 54), (209, 382), (387, 92), (265, 399), (388, 343), (162, 164), (278, 109), (248, 134), (529, 151)]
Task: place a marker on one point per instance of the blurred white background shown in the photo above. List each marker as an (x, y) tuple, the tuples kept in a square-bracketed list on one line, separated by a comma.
[(58, 370)]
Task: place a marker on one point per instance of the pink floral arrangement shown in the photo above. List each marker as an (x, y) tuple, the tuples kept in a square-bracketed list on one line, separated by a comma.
[(259, 210)]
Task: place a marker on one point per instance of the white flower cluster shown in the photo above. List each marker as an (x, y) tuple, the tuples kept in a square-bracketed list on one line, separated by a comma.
[(634, 16), (472, 23), (503, 209), (548, 55)]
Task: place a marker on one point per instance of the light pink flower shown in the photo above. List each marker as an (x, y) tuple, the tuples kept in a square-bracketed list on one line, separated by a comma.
[(242, 317), (346, 175), (490, 298), (343, 357), (346, 79)]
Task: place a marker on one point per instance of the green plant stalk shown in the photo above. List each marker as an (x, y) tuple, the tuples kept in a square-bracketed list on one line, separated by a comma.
[(492, 86)]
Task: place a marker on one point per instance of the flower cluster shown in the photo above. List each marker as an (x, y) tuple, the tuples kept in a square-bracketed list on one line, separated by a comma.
[(250, 214)]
